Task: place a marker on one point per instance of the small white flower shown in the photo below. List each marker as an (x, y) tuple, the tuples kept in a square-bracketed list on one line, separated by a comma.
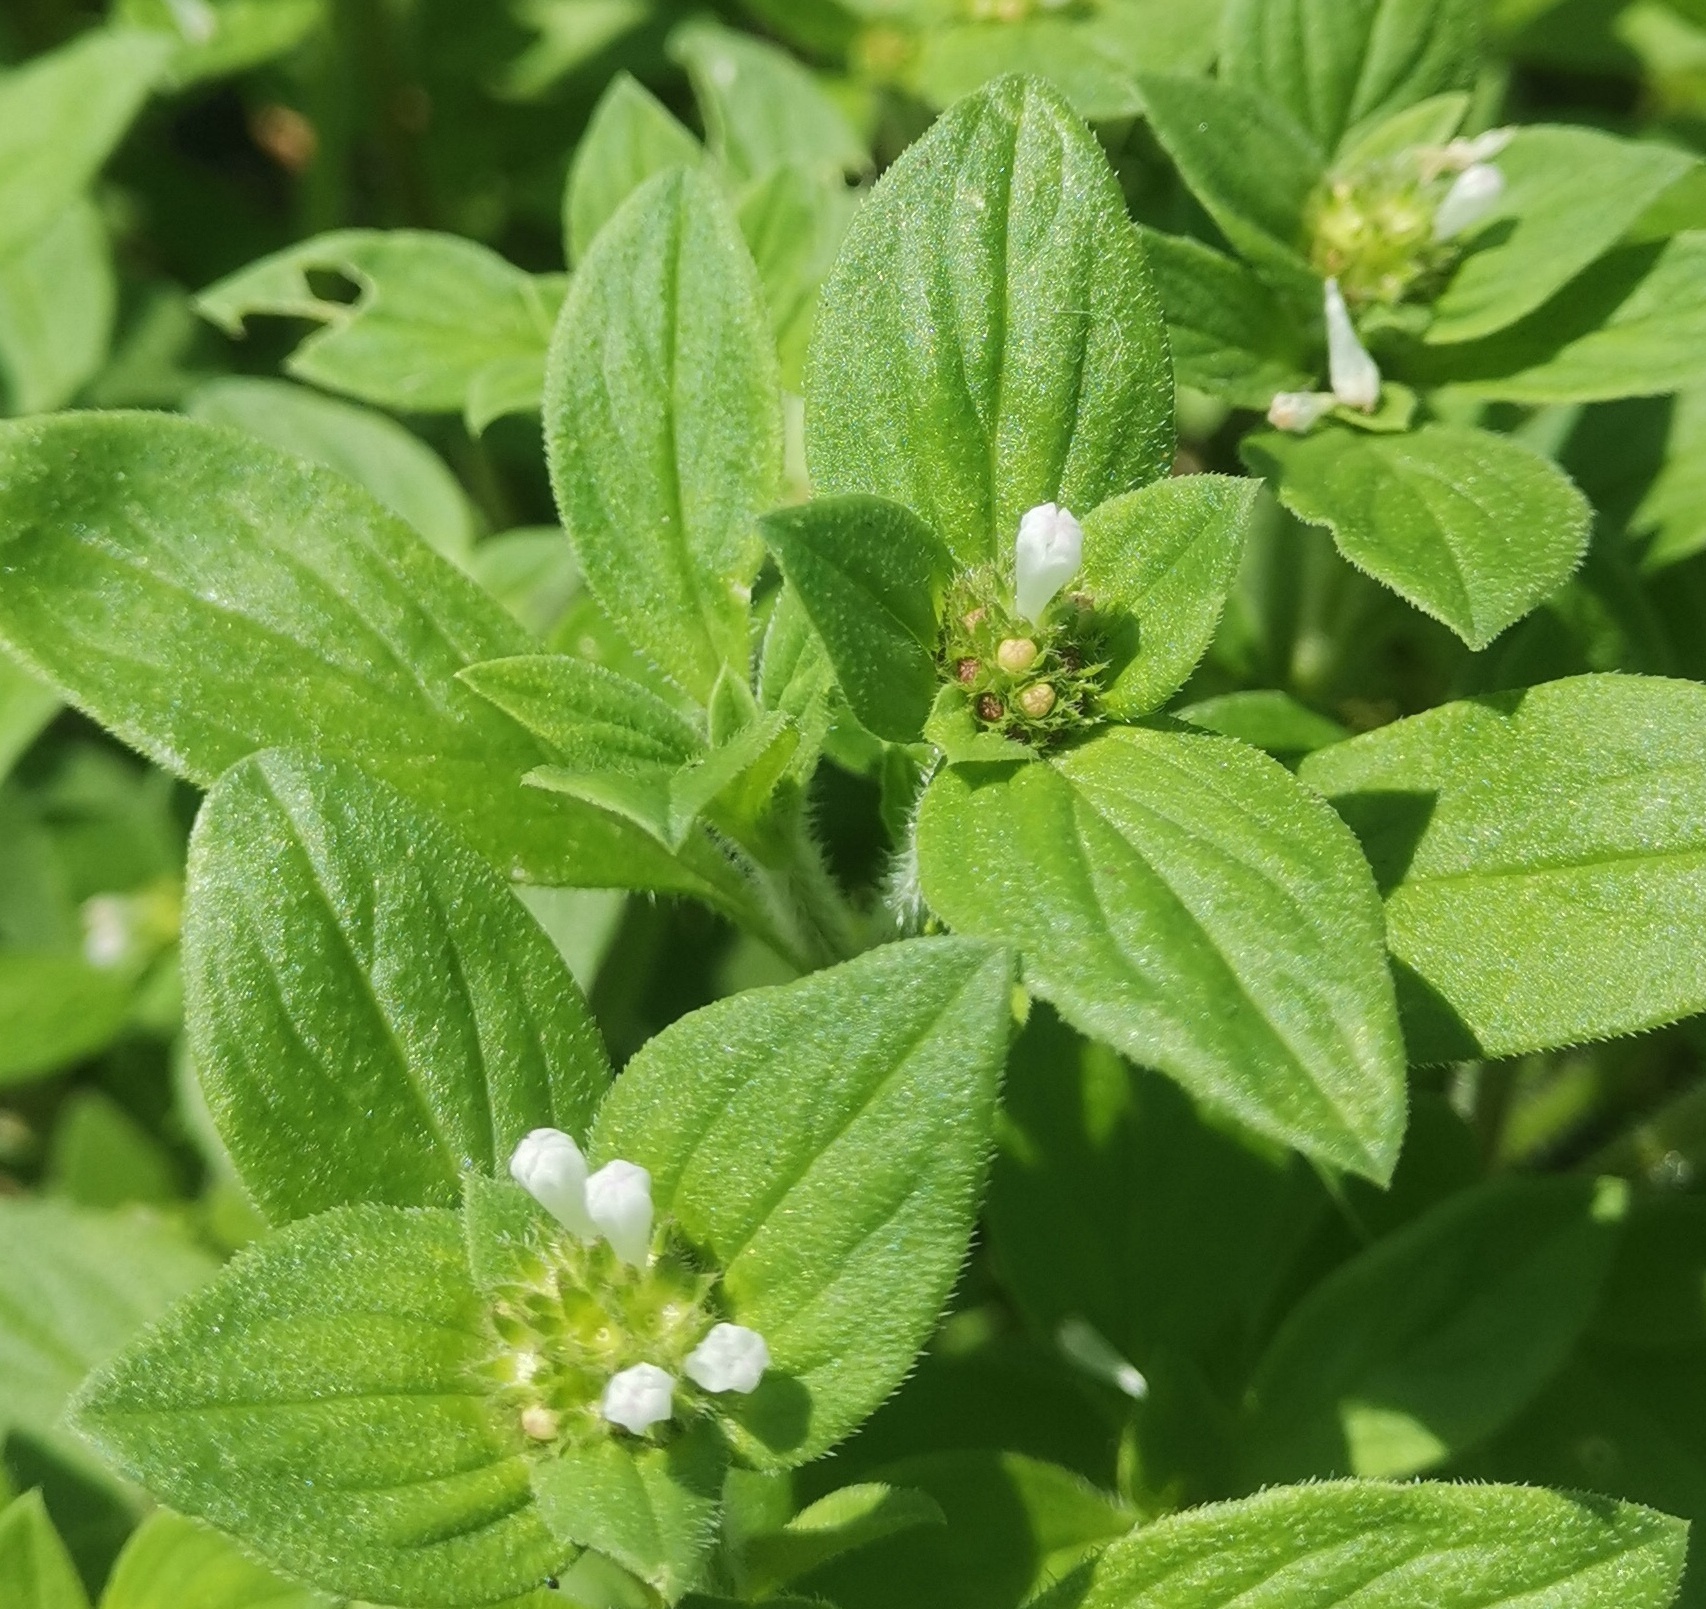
[(1084, 1345), (108, 930), (1465, 153), (619, 1201), (1354, 374), (730, 1358), (1472, 199), (1046, 556), (549, 1166), (1299, 411), (638, 1398)]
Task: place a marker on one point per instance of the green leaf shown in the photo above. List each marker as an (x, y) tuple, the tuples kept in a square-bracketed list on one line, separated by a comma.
[(1540, 853), (1376, 1546), (35, 1570), (1159, 563), (590, 717), (631, 137), (436, 316), (794, 222), (1184, 899), (531, 572), (174, 1563), (1014, 1526), (829, 1158), (58, 296), (1245, 159), (1671, 516), (849, 1518), (762, 108), (216, 38), (573, 32), (1429, 122), (1090, 72), (371, 1011), (61, 115), (205, 596), (990, 338), (102, 1157), (1472, 528), (1432, 1339), (375, 452), (871, 576), (1632, 325), (663, 426), (1571, 195), (652, 1510), (320, 1403), (75, 1286), (55, 1010), (1230, 335), (1335, 64), (1268, 719)]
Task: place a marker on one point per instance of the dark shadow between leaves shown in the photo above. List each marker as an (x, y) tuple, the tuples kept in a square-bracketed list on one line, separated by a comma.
[(778, 1413), (1433, 1031), (1390, 824)]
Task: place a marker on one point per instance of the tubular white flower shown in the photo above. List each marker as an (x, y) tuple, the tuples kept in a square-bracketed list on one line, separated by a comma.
[(549, 1166), (638, 1398), (1472, 199), (1046, 556), (1299, 411), (1354, 374), (619, 1201), (730, 1358)]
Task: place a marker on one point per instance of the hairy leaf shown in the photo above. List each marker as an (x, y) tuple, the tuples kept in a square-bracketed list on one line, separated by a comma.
[(631, 137), (1334, 64), (1159, 563), (371, 1011), (829, 1158), (440, 324), (1474, 529), (663, 426), (870, 575), (205, 596), (174, 1563), (35, 1570), (1184, 899), (1542, 854), (1369, 1545), (58, 297), (990, 338), (319, 1402)]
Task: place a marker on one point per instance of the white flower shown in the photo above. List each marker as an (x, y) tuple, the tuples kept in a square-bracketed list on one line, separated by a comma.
[(730, 1358), (1472, 199), (1354, 374), (638, 1398), (1482, 148), (1047, 555), (619, 1201), (549, 1166), (1299, 411), (108, 930)]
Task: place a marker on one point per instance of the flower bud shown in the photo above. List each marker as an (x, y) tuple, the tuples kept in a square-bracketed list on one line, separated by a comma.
[(1016, 655), (730, 1358), (1047, 555), (990, 708), (1473, 199), (619, 1201), (1299, 411), (638, 1398), (1354, 374), (540, 1423), (549, 1166), (1037, 700), (967, 670)]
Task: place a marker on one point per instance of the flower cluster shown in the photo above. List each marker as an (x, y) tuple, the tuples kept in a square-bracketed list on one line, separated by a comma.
[(1377, 236), (1029, 670), (607, 1318)]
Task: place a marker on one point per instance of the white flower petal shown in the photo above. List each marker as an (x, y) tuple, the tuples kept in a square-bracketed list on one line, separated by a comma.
[(730, 1358), (549, 1166), (638, 1398), (1299, 411), (1047, 554), (619, 1202), (1354, 374), (1472, 199)]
